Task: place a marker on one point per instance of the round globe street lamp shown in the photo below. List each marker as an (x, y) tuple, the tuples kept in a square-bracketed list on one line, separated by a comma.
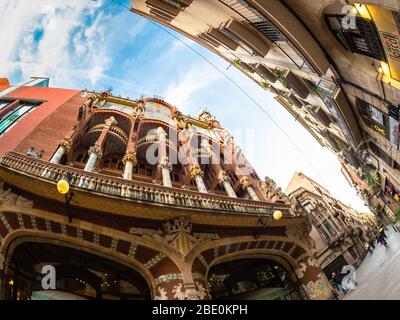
[(64, 189), (278, 215), (267, 220)]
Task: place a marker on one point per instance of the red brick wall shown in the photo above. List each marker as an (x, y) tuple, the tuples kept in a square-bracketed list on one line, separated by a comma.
[(45, 126)]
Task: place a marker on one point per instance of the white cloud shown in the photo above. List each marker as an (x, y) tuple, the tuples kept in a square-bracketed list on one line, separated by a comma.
[(65, 41), (192, 81)]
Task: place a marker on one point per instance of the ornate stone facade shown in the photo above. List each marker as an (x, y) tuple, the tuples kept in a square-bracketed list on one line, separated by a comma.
[(164, 232)]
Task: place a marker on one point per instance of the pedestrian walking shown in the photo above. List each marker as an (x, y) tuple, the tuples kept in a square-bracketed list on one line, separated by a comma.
[(372, 243), (381, 240), (382, 232), (336, 281)]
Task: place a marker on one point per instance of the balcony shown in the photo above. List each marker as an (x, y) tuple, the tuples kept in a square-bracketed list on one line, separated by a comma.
[(167, 9), (322, 117), (15, 167), (297, 84), (213, 35), (266, 73), (248, 36), (296, 102)]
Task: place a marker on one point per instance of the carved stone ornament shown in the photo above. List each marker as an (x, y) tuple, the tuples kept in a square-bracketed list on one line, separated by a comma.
[(163, 294), (164, 165), (195, 171), (296, 208), (10, 198), (130, 156), (110, 122), (245, 182), (176, 234), (272, 192), (189, 292), (66, 143), (301, 271), (96, 149), (301, 233), (223, 176)]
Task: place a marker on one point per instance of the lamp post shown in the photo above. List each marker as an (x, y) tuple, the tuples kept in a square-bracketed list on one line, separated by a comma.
[(63, 188)]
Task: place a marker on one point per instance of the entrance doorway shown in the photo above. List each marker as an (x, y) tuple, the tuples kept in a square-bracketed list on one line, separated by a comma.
[(251, 279), (79, 275), (335, 266)]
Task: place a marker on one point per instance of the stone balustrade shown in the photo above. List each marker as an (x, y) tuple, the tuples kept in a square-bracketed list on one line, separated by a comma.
[(135, 190), (153, 139)]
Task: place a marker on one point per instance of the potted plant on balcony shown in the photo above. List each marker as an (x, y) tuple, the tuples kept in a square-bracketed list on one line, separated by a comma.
[(372, 178), (280, 75)]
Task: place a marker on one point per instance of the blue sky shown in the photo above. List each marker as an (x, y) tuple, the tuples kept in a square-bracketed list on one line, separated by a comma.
[(99, 45)]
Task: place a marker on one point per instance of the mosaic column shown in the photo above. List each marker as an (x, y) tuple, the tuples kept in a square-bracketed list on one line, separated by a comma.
[(164, 166), (245, 183), (64, 147), (313, 280)]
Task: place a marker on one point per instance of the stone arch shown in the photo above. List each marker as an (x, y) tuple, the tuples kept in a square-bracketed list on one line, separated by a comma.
[(271, 255), (153, 260), (296, 255), (16, 238)]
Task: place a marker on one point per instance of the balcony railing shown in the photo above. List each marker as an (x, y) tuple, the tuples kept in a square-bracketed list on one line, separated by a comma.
[(135, 190)]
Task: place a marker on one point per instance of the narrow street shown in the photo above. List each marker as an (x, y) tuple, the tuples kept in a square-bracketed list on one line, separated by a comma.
[(378, 276)]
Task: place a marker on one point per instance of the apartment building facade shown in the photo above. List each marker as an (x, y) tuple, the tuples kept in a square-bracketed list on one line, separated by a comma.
[(340, 233), (333, 65), (129, 199)]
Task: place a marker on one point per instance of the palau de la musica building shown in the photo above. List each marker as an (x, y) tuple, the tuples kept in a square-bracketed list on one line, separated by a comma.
[(160, 205), (334, 65)]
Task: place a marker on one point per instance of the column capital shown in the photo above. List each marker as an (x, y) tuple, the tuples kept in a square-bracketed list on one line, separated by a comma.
[(66, 143), (110, 122), (245, 182), (195, 171), (223, 176), (164, 164), (130, 156), (96, 149)]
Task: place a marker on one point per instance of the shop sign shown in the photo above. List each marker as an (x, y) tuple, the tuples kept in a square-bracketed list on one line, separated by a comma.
[(392, 45), (331, 258)]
